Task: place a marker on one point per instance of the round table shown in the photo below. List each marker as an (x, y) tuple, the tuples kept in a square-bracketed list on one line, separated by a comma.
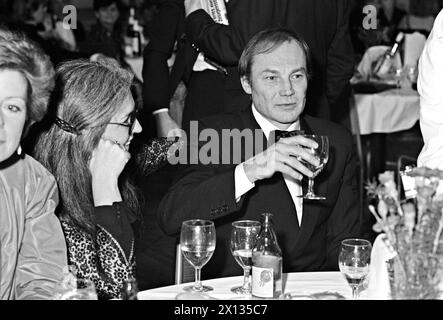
[(298, 285)]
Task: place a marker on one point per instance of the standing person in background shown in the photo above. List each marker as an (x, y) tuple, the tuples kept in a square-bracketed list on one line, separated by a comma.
[(429, 87), (33, 250)]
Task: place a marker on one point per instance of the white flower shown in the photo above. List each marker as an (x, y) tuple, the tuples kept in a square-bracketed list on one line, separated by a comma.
[(382, 209)]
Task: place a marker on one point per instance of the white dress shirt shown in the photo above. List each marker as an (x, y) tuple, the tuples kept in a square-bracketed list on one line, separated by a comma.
[(242, 183), (430, 88)]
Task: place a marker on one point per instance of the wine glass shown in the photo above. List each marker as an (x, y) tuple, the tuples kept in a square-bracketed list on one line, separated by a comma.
[(243, 236), (354, 260), (197, 243), (322, 154)]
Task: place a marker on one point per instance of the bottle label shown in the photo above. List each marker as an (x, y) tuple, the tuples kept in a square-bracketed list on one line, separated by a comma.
[(263, 282)]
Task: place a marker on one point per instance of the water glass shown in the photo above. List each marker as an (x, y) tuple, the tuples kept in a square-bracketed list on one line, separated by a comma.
[(197, 244)]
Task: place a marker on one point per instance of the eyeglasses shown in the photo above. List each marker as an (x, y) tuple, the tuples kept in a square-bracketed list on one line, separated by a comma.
[(130, 123)]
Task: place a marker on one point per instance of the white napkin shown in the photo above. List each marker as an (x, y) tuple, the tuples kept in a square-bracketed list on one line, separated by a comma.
[(370, 56), (414, 44), (379, 286)]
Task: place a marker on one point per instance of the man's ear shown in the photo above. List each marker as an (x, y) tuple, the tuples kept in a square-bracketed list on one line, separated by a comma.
[(246, 85)]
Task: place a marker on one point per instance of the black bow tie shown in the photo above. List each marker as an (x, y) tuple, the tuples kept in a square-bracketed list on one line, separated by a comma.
[(285, 134)]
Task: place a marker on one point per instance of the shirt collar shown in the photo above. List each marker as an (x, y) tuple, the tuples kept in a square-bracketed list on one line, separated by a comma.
[(267, 126)]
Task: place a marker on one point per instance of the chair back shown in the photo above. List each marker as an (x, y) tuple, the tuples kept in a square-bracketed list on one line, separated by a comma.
[(184, 271)]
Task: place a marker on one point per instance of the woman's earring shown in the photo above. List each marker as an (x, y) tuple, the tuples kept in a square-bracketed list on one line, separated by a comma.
[(19, 150)]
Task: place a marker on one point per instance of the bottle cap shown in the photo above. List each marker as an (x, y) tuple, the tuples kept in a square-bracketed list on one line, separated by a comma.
[(399, 37)]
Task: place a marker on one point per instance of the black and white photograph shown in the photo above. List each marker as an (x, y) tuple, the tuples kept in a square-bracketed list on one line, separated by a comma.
[(221, 158)]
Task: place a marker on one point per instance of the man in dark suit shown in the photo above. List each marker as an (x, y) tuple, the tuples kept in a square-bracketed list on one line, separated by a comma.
[(274, 69)]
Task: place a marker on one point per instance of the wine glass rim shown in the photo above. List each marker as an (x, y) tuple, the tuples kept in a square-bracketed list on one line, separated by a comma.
[(198, 223), (358, 242), (252, 223)]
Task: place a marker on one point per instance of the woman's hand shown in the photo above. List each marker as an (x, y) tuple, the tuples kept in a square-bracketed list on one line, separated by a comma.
[(107, 163)]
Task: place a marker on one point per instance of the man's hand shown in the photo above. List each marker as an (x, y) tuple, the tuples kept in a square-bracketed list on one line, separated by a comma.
[(191, 6), (282, 157), (166, 126)]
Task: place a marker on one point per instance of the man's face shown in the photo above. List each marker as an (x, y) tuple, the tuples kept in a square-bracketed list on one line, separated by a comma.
[(278, 84)]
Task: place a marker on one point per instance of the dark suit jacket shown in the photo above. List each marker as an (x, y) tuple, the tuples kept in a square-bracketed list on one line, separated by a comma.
[(167, 29), (322, 23), (207, 192)]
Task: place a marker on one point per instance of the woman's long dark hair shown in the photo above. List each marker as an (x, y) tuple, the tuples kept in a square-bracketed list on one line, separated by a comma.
[(87, 95)]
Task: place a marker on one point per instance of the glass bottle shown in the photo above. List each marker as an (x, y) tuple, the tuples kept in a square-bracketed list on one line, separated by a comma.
[(130, 290), (384, 64), (267, 262)]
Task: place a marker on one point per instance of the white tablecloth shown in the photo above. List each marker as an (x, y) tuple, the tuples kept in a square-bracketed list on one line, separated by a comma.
[(296, 283), (387, 111)]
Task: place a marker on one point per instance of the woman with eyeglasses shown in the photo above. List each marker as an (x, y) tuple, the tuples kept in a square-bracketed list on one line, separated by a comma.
[(86, 149)]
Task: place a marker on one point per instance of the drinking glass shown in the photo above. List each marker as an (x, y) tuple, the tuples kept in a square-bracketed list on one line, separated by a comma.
[(322, 154), (243, 236), (83, 290), (354, 260), (197, 244)]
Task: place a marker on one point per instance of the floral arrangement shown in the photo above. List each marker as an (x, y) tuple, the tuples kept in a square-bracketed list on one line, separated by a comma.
[(413, 227)]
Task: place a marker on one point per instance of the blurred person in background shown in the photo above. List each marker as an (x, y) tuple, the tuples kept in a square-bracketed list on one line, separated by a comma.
[(389, 17), (33, 250), (86, 148), (106, 36)]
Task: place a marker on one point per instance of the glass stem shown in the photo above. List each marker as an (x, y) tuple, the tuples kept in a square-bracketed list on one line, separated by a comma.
[(197, 285), (355, 292), (246, 272), (310, 186)]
